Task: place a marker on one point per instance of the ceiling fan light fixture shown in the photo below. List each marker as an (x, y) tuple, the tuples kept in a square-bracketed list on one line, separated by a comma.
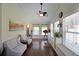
[(41, 14)]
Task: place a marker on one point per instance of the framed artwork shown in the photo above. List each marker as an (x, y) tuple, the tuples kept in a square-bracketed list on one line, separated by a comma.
[(14, 26)]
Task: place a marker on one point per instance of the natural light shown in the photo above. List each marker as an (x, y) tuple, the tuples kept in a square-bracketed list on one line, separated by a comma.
[(35, 30), (71, 32)]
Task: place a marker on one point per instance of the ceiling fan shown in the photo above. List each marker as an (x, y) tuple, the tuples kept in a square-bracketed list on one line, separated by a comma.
[(42, 13)]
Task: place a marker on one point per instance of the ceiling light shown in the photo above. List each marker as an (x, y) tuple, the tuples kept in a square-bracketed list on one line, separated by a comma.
[(41, 12), (28, 26)]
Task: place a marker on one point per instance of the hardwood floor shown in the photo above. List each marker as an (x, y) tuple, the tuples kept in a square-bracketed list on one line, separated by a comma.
[(39, 47)]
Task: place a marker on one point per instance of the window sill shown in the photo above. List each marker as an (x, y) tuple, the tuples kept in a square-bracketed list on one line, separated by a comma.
[(61, 49)]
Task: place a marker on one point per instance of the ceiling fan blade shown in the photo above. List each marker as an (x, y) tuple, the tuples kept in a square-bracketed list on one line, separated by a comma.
[(45, 12), (40, 12)]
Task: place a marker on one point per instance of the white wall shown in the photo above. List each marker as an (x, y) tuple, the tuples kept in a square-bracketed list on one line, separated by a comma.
[(13, 13)]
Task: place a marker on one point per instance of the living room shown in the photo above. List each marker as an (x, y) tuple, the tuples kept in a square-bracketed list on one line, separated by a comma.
[(23, 19)]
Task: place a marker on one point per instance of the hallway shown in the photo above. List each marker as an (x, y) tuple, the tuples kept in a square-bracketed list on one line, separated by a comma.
[(39, 48)]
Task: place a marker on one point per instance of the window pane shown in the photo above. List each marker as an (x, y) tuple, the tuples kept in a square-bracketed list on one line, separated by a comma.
[(35, 30), (51, 27), (78, 38), (71, 31), (56, 28)]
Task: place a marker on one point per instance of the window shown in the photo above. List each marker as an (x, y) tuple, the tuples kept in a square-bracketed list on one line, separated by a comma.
[(43, 28), (56, 28), (71, 32), (35, 30), (51, 27)]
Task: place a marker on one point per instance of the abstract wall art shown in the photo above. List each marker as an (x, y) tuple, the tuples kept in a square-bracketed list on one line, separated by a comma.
[(15, 26)]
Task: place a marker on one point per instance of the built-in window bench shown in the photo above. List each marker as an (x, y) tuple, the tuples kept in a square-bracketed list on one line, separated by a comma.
[(61, 49)]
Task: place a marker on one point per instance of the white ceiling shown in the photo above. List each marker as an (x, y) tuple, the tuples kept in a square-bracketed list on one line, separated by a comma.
[(30, 10), (27, 12)]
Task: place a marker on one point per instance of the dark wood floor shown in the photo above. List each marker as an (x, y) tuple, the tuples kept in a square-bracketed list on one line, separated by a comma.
[(39, 47)]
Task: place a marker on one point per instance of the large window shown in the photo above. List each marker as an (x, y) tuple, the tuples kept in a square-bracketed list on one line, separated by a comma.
[(35, 30), (71, 32)]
